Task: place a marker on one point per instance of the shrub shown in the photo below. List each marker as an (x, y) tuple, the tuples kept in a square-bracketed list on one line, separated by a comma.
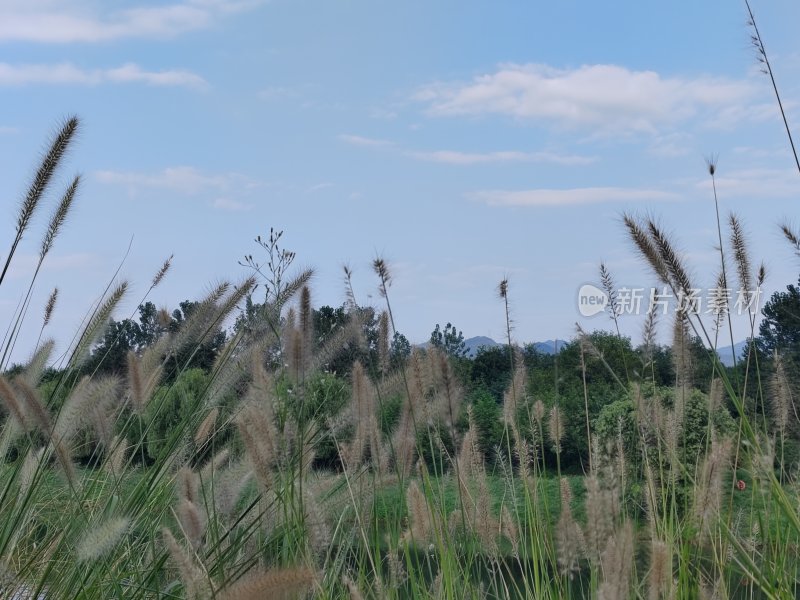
[(169, 404), (487, 415)]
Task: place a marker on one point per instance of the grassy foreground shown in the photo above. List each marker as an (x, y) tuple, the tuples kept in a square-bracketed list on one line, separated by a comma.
[(260, 485)]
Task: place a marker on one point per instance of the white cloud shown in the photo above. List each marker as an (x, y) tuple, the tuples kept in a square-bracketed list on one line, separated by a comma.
[(473, 158), (59, 21), (69, 74), (319, 187), (63, 73), (671, 145), (564, 197), (357, 140), (754, 152), (184, 180), (230, 205), (755, 183), (133, 73), (382, 113), (25, 264), (277, 93), (728, 117), (5, 130), (606, 98), (455, 157), (473, 276)]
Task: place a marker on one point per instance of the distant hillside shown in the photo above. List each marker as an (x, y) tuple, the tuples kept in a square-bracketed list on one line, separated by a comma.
[(473, 343), (727, 353), (549, 346), (546, 347)]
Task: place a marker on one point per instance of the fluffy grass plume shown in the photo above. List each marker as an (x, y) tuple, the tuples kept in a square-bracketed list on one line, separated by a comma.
[(276, 584), (617, 564), (102, 539), (98, 323), (568, 535)]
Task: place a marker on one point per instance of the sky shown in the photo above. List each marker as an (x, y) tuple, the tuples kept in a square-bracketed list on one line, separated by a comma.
[(464, 142)]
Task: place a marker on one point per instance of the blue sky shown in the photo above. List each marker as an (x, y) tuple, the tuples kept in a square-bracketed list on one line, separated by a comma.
[(462, 141)]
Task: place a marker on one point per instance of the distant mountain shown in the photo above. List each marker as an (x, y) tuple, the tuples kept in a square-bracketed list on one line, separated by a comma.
[(473, 343), (727, 353), (549, 346), (546, 347)]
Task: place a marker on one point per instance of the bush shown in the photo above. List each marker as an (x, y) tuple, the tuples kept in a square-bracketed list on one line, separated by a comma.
[(389, 413), (487, 415), (435, 444), (617, 421), (324, 397), (170, 406)]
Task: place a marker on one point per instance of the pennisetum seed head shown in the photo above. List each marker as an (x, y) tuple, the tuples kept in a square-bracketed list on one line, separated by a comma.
[(162, 271), (289, 582), (538, 411), (206, 428), (381, 268), (792, 236), (617, 564), (383, 342), (741, 255), (678, 276), (781, 394), (607, 281), (101, 539), (305, 312), (164, 318), (58, 147), (711, 164), (50, 307), (646, 246), (191, 575), (555, 428), (59, 217), (12, 403), (191, 521), (569, 536), (502, 289), (761, 276)]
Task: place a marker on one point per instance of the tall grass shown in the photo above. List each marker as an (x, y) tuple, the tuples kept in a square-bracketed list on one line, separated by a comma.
[(229, 502)]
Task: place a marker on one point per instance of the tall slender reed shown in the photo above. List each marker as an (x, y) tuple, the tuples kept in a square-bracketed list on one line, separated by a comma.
[(761, 56)]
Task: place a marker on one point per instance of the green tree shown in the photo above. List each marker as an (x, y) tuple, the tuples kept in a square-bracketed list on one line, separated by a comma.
[(399, 351), (169, 407), (780, 327), (492, 370), (487, 415), (120, 337), (612, 358), (655, 365), (329, 323), (110, 354), (193, 356), (451, 340)]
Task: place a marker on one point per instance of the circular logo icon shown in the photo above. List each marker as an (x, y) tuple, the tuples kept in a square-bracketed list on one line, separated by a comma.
[(591, 300)]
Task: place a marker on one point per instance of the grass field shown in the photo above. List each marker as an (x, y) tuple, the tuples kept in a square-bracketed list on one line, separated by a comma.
[(274, 458)]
